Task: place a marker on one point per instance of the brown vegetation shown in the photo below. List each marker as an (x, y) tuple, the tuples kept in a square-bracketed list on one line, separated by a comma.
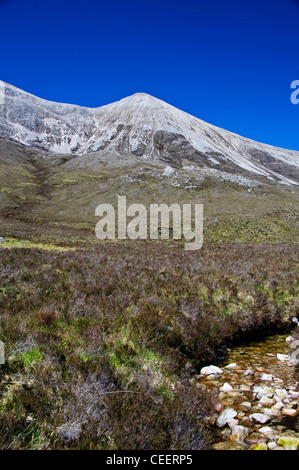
[(103, 344)]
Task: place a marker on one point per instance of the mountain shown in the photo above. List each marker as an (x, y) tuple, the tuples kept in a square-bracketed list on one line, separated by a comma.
[(59, 161), (142, 126)]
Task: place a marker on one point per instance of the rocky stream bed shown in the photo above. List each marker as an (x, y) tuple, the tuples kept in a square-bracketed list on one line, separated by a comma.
[(257, 393)]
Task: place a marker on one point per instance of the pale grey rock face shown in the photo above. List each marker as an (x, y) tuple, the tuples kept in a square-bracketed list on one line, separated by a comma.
[(142, 126), (32, 121)]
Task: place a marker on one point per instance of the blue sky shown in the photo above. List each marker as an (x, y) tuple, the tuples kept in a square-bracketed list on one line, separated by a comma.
[(229, 63)]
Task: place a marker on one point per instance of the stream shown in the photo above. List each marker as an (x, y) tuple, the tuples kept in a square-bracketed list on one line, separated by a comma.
[(257, 395)]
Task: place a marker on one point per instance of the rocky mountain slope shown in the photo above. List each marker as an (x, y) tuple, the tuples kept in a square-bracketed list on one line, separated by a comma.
[(141, 126), (59, 161)]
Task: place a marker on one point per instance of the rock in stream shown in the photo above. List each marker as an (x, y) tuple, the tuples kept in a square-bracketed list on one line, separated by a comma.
[(258, 394)]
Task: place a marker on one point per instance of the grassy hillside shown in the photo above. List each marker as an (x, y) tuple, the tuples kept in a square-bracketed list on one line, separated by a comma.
[(45, 193), (103, 343)]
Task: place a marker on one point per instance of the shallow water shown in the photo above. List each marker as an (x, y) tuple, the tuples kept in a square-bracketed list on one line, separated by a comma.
[(273, 375), (264, 354)]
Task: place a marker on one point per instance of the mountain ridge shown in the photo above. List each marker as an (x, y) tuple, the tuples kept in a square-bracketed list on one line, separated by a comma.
[(143, 126)]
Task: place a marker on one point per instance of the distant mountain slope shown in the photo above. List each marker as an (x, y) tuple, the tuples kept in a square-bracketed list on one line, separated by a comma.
[(143, 127)]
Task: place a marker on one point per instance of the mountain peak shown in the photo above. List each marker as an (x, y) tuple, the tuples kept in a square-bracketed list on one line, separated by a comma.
[(141, 94), (142, 99), (143, 126)]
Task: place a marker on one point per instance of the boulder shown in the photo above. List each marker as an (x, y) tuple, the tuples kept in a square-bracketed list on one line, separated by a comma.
[(233, 365), (282, 357), (226, 387), (260, 418), (239, 433), (211, 370), (225, 417), (259, 446), (266, 401), (267, 377), (288, 442), (289, 412), (266, 430)]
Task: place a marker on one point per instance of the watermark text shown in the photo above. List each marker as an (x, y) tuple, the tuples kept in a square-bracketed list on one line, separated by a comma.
[(295, 94), (161, 221)]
